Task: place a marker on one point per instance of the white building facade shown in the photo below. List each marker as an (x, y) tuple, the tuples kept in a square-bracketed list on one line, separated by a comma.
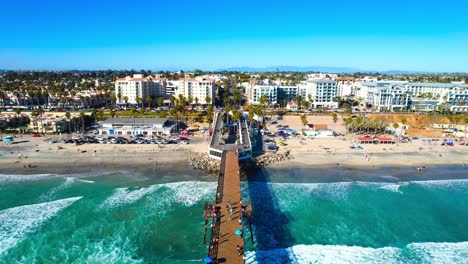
[(321, 93), (426, 97), (138, 86)]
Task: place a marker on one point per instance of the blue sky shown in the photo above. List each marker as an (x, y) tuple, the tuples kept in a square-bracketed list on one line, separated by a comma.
[(371, 35)]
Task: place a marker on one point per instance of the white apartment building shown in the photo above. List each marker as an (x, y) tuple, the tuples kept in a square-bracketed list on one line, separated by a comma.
[(172, 87), (388, 98), (401, 96), (348, 86), (257, 91), (138, 87), (198, 87), (321, 93)]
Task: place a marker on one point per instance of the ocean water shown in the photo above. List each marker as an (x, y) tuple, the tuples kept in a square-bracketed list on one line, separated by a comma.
[(298, 218)]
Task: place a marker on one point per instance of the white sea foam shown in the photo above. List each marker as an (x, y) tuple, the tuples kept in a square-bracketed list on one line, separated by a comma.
[(392, 188), (86, 181), (187, 193), (16, 223), (115, 250), (123, 196), (7, 178), (190, 193), (442, 183), (412, 253), (48, 196)]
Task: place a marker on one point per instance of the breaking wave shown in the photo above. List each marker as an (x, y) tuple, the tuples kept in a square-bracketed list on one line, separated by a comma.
[(187, 193), (412, 253), (18, 222)]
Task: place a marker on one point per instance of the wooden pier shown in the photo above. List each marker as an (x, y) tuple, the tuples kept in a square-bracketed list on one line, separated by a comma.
[(224, 242)]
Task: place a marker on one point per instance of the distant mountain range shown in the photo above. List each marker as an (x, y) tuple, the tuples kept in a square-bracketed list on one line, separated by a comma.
[(312, 69), (272, 69)]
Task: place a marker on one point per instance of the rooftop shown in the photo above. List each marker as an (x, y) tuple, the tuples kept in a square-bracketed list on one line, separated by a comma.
[(140, 121)]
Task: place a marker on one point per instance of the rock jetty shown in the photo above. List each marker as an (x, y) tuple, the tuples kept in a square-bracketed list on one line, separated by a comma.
[(265, 160), (201, 161), (268, 159)]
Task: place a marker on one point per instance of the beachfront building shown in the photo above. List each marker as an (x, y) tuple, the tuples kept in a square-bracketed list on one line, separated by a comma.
[(138, 87), (388, 98), (172, 86), (137, 126), (257, 91), (321, 93), (348, 86), (198, 87), (426, 97), (457, 99), (55, 123)]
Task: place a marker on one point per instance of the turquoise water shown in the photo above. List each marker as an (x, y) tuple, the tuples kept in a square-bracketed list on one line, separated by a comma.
[(134, 218)]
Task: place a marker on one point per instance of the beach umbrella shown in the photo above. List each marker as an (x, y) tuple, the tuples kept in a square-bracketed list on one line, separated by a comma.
[(208, 260), (238, 232)]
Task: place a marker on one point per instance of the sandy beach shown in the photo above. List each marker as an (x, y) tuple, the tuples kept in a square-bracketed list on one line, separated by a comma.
[(318, 152)]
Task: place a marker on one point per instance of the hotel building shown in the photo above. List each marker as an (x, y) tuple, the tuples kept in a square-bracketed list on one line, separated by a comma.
[(138, 87)]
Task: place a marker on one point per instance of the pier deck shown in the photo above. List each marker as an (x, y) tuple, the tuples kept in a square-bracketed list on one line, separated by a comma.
[(224, 240)]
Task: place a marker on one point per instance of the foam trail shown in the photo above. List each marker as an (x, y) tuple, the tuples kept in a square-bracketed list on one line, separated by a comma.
[(413, 253), (123, 196), (86, 181), (392, 188), (190, 193), (17, 222), (187, 193), (49, 195)]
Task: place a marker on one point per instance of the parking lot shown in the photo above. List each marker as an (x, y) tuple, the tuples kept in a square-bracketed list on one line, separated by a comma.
[(139, 139)]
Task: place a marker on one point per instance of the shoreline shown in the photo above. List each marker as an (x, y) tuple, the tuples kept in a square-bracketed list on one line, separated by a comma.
[(329, 153)]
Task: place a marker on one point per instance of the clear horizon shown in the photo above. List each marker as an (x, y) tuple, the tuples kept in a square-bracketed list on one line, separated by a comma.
[(420, 36)]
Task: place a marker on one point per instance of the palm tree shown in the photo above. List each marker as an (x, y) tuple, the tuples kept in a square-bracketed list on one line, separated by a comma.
[(100, 114), (160, 101), (209, 114), (82, 116), (172, 99), (208, 100), (236, 115), (68, 115), (125, 98), (237, 97), (40, 112), (18, 111), (119, 96), (139, 101), (335, 118), (196, 101), (148, 101), (304, 120)]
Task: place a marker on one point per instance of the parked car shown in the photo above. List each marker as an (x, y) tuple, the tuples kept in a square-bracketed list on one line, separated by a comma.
[(35, 135)]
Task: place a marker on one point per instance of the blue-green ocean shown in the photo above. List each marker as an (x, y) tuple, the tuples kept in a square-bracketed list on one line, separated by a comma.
[(300, 216)]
